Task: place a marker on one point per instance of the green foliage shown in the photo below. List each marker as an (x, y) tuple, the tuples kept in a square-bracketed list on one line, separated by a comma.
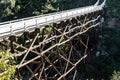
[(113, 44), (102, 67), (48, 29), (70, 4), (12, 9), (115, 76), (113, 8), (106, 67), (6, 7), (7, 67)]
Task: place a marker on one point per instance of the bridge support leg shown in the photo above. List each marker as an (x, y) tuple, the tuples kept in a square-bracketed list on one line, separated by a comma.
[(12, 39)]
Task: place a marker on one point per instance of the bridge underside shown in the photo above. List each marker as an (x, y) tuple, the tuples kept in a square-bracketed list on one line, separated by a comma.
[(56, 51)]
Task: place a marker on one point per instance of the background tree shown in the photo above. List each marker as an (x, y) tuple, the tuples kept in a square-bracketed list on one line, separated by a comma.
[(14, 9), (6, 7)]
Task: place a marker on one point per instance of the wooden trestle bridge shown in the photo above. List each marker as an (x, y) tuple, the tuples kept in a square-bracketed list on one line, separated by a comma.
[(51, 46)]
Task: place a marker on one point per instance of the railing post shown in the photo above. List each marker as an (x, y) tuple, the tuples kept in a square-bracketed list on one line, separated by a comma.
[(61, 15), (53, 18), (46, 20), (67, 15), (72, 14), (11, 30), (24, 26), (36, 23)]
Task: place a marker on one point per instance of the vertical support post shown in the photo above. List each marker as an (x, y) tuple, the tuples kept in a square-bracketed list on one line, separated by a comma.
[(25, 34), (26, 37), (37, 31), (12, 39)]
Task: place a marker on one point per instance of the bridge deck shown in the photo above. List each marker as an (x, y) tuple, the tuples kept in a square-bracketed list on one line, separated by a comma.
[(16, 27), (53, 52)]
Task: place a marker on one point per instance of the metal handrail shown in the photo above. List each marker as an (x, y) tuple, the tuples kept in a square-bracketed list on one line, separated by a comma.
[(10, 26), (96, 4)]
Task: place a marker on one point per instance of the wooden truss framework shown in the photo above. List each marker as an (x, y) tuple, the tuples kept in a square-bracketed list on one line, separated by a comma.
[(51, 52)]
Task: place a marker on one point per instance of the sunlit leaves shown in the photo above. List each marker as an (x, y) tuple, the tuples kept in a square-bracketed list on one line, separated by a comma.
[(7, 65), (6, 7), (12, 9), (115, 75)]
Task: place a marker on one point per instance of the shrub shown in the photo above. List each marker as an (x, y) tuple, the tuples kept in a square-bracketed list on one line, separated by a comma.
[(7, 65)]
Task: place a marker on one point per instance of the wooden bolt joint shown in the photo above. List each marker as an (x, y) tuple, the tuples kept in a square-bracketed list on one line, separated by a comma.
[(12, 38), (78, 18), (26, 35), (37, 30)]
